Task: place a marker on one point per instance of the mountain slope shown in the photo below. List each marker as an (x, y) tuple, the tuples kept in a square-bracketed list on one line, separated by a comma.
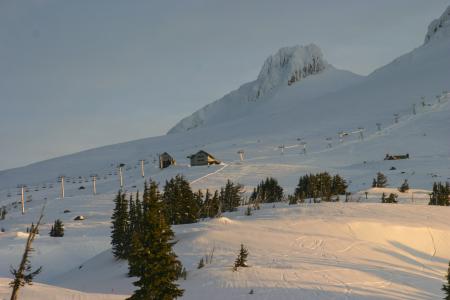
[(285, 68)]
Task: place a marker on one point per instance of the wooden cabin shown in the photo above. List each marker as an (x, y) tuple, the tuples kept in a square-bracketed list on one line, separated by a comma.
[(396, 157), (165, 160), (203, 158)]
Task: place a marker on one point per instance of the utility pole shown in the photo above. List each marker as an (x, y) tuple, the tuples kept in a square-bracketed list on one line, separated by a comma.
[(414, 109), (142, 168)]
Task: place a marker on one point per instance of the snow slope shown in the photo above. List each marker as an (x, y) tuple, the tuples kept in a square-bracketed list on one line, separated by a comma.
[(316, 251)]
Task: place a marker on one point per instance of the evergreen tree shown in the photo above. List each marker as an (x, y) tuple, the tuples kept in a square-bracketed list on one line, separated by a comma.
[(201, 263), (230, 196), (151, 258), (57, 229), (321, 185), (374, 183), (381, 180), (446, 286), (180, 204), (391, 199), (241, 260), (440, 194), (404, 187), (248, 211), (120, 219), (24, 274), (267, 191)]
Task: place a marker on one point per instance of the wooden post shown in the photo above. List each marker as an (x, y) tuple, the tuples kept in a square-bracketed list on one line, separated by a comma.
[(23, 200), (142, 168), (62, 187)]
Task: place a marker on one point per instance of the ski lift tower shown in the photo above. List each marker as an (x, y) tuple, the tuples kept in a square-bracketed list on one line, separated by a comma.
[(329, 144), (120, 166), (303, 144), (61, 180), (241, 154), (94, 183), (142, 161), (22, 197), (396, 118), (378, 126), (361, 133), (341, 135)]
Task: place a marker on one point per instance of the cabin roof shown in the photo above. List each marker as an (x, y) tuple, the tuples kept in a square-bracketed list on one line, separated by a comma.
[(201, 151)]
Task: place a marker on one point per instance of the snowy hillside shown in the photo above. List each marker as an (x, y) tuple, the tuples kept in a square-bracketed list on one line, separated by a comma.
[(300, 115)]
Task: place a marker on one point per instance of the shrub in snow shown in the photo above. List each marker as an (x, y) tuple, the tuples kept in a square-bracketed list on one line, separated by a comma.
[(201, 263), (404, 187), (57, 229), (241, 260)]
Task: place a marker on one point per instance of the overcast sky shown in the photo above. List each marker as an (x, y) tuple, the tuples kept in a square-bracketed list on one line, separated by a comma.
[(80, 74)]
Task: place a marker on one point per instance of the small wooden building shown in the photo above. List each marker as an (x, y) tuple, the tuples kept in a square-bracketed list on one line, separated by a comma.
[(203, 158), (396, 157), (166, 160)]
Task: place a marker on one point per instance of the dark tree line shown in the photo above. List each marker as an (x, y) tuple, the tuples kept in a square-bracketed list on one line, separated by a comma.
[(267, 191), (321, 185), (380, 181), (440, 194), (141, 231), (141, 234)]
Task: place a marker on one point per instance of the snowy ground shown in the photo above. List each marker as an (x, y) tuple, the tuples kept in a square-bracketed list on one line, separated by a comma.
[(316, 251)]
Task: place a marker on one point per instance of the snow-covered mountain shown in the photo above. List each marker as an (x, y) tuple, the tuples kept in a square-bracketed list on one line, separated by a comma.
[(286, 67), (439, 28)]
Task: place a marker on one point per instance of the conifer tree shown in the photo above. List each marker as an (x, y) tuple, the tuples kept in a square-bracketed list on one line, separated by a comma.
[(267, 191), (201, 263), (381, 180), (241, 260), (24, 274), (230, 196), (57, 229), (119, 238), (179, 202), (404, 187), (151, 258), (446, 286), (374, 183), (440, 194)]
